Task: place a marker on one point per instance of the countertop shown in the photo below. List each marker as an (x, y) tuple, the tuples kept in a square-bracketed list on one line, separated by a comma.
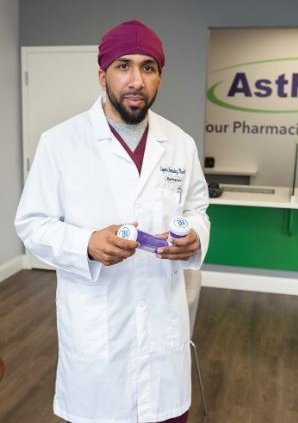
[(281, 197)]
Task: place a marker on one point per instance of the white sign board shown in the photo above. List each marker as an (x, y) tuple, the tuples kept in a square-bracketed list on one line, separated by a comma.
[(252, 102)]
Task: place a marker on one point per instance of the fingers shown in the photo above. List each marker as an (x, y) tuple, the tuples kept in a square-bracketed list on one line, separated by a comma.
[(173, 253), (181, 249), (121, 243), (186, 240), (109, 256), (116, 243), (117, 249), (105, 246), (164, 235)]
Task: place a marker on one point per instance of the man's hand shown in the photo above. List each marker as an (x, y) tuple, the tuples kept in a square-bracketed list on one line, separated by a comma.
[(182, 248), (108, 248)]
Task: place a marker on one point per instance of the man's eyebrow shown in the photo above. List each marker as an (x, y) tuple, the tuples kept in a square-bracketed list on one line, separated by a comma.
[(150, 61), (145, 62), (123, 59)]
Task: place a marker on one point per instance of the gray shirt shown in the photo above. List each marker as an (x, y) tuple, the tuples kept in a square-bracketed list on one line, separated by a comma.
[(131, 134)]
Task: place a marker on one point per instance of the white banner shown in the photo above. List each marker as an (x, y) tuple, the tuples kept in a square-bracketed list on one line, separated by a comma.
[(252, 102)]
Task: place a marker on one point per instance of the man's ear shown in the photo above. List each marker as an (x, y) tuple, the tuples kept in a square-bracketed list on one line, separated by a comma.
[(102, 78), (160, 79)]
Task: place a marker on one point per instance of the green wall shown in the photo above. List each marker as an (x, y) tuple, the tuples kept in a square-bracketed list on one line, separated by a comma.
[(257, 237)]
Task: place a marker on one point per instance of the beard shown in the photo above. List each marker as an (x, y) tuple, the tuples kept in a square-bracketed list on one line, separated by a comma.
[(130, 115)]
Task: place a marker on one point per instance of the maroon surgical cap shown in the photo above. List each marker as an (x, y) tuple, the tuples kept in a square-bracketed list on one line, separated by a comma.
[(132, 37)]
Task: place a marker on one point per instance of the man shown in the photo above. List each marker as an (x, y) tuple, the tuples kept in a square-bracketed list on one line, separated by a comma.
[(122, 314)]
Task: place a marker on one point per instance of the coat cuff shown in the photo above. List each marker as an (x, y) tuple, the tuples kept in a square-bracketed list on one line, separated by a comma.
[(77, 245)]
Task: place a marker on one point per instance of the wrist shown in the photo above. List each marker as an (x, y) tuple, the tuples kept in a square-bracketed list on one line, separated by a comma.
[(89, 254)]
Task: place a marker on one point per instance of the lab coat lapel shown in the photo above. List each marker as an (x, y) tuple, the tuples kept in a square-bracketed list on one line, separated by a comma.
[(118, 150), (102, 130), (154, 150)]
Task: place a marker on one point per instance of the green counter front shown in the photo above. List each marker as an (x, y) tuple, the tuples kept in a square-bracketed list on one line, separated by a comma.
[(259, 237)]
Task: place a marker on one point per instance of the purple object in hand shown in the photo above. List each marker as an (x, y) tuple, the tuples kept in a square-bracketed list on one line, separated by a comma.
[(147, 241)]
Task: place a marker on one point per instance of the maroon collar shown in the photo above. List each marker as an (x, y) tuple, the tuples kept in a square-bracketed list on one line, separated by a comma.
[(137, 156)]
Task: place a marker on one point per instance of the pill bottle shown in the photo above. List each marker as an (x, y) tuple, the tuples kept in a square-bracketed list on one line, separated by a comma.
[(179, 227), (147, 241)]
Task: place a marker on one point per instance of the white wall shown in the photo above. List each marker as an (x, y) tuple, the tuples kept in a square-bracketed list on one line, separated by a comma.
[(10, 143), (182, 25)]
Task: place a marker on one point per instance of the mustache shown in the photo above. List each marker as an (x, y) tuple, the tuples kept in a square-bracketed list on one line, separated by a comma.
[(137, 94)]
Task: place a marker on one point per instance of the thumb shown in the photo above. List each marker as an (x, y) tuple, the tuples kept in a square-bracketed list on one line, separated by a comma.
[(114, 228), (164, 235)]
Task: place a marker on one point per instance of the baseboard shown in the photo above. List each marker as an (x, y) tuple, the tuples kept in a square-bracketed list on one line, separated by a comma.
[(11, 267), (245, 282)]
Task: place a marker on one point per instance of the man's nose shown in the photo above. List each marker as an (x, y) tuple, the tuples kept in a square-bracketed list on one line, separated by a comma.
[(136, 79)]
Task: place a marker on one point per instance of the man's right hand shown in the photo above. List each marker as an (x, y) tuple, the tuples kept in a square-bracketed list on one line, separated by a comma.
[(108, 248)]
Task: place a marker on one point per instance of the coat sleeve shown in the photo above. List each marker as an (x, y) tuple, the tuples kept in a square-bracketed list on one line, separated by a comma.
[(196, 203), (40, 220)]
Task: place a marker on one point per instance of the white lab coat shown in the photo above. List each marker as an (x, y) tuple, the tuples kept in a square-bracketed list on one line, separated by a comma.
[(124, 329)]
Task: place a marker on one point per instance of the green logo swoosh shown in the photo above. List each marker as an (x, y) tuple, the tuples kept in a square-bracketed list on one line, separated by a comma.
[(211, 95)]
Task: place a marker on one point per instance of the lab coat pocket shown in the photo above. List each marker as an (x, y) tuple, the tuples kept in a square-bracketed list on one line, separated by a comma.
[(179, 310), (82, 321)]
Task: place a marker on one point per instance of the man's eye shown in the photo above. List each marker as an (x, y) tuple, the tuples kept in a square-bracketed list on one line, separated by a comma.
[(148, 68), (123, 66)]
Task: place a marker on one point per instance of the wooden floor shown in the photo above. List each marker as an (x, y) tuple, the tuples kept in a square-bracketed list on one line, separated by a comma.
[(248, 349)]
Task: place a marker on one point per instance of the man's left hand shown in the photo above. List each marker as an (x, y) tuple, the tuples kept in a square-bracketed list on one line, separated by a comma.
[(182, 248)]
